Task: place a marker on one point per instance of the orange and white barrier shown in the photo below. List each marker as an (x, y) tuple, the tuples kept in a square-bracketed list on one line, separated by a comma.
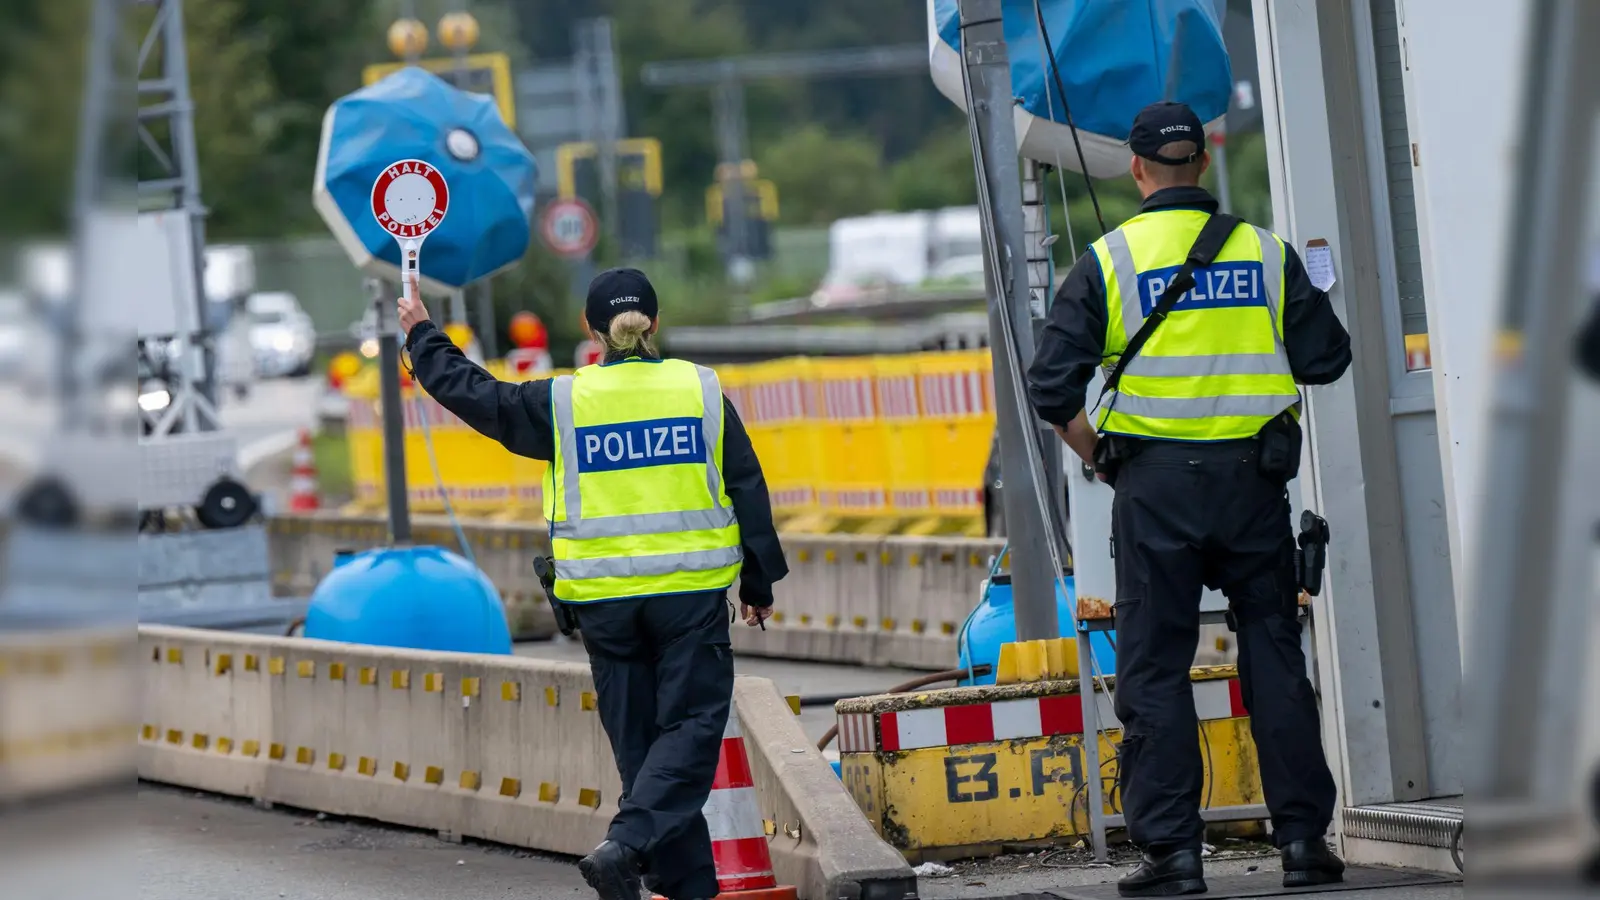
[(738, 835), (303, 477)]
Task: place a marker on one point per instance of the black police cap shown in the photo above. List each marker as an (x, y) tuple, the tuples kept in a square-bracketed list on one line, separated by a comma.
[(1160, 124)]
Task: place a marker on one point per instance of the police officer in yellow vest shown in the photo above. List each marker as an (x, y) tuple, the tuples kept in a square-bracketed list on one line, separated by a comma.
[(1199, 438), (656, 504)]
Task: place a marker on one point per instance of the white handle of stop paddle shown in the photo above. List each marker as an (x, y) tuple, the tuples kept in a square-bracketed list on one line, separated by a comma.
[(410, 267)]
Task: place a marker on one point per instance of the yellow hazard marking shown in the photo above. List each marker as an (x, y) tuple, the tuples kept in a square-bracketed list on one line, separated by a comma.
[(805, 618), (859, 621), (769, 827), (587, 701), (469, 687), (433, 682), (861, 556), (470, 781), (251, 749), (305, 668), (336, 762), (200, 741), (1027, 789), (224, 745), (794, 703), (777, 616), (589, 797), (175, 655), (829, 555), (400, 679), (402, 772), (433, 775), (367, 766), (174, 736), (511, 787), (336, 671), (275, 752), (510, 691), (832, 621), (305, 756), (368, 676), (552, 696), (947, 628), (887, 624), (275, 665), (804, 556), (224, 664), (148, 733), (251, 663), (549, 792)]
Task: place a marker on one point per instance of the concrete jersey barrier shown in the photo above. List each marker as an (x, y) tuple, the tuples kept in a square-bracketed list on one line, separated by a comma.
[(505, 749), (866, 600)]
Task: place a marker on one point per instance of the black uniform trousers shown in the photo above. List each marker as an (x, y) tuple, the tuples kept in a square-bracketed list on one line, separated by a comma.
[(1188, 515), (663, 674)]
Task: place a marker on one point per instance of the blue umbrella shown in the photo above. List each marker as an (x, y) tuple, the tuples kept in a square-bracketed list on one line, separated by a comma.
[(414, 114), (1114, 57)]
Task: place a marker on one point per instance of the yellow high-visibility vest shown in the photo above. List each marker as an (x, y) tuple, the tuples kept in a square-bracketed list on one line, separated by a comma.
[(635, 499), (1216, 369)]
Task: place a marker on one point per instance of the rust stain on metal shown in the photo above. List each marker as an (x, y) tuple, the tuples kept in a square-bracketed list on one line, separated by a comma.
[(1093, 608)]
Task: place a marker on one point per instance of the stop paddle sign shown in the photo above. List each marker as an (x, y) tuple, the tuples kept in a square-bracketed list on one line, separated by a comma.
[(409, 200)]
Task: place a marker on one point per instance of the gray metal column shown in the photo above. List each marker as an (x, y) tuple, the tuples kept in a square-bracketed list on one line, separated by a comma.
[(987, 73), (727, 101), (394, 450), (1373, 724)]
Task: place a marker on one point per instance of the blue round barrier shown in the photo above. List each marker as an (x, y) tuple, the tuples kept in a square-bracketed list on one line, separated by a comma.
[(424, 598), (994, 622)]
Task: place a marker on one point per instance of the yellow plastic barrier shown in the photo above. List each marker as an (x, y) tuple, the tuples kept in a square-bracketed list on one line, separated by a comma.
[(896, 440), (904, 437), (779, 409), (957, 391)]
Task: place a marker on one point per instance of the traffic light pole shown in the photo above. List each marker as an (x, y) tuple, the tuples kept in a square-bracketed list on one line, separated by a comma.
[(987, 76)]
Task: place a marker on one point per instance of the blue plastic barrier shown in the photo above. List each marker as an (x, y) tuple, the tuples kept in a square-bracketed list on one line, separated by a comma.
[(994, 622), (424, 598)]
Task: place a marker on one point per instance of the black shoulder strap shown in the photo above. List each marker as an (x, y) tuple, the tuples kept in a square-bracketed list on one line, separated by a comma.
[(1205, 249)]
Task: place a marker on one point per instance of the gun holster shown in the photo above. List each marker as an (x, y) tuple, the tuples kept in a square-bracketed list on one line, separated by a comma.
[(1111, 452), (566, 618), (1311, 556)]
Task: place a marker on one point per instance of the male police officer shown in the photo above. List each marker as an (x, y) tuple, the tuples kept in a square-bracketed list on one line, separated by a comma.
[(1199, 436), (655, 502)]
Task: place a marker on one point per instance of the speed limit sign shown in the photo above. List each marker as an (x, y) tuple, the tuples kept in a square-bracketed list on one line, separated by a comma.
[(569, 228)]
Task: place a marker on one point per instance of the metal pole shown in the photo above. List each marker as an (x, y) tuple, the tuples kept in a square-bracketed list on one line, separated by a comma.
[(988, 70), (394, 450), (486, 331), (602, 59), (728, 110)]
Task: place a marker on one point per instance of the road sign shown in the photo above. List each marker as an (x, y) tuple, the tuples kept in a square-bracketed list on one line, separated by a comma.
[(409, 199), (569, 228)]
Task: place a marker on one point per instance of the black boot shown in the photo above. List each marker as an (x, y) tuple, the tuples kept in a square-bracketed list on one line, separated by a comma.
[(1165, 875), (612, 870), (1309, 863)]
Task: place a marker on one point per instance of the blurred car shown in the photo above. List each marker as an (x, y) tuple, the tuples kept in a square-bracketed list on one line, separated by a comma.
[(282, 337)]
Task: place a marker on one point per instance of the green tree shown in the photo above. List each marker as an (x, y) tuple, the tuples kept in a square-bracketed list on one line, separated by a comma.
[(235, 117), (821, 176), (939, 174)]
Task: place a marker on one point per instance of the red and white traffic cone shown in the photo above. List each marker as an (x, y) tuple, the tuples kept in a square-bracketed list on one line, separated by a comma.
[(738, 837), (303, 478)]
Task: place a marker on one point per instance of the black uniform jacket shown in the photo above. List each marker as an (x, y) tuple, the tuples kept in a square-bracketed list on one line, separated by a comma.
[(1072, 343), (518, 416)]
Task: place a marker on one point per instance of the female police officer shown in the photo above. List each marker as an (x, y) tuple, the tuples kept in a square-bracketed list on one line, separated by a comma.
[(656, 503)]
